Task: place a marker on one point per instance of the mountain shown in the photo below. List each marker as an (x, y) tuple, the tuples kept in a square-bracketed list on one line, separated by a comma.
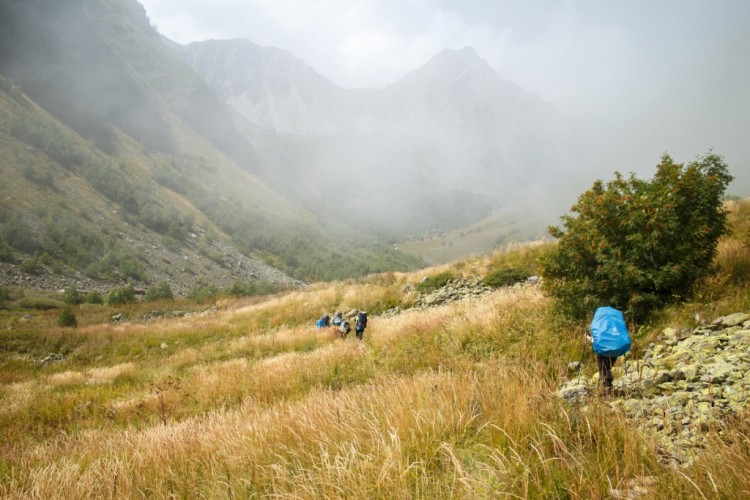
[(272, 88), (121, 164), (441, 147)]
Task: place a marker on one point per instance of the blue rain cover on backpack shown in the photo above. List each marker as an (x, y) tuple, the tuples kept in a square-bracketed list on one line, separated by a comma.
[(611, 337)]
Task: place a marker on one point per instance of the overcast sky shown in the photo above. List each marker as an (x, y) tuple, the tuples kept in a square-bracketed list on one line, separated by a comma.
[(572, 53), (648, 76)]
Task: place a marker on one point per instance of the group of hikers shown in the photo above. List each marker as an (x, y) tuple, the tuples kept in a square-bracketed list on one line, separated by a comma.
[(342, 324), (609, 336)]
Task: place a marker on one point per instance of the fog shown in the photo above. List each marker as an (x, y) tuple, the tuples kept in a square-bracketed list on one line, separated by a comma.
[(410, 116), (632, 79)]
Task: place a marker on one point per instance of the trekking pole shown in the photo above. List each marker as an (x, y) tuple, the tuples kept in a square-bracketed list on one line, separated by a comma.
[(583, 353)]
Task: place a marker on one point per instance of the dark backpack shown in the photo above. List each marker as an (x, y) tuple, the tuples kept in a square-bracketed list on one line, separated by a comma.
[(361, 321)]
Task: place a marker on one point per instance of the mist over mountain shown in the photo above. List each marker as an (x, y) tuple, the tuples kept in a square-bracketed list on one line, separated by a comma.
[(121, 164), (440, 148), (119, 144)]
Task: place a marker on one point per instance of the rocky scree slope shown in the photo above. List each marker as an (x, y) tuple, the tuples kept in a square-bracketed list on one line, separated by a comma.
[(686, 385), (183, 267)]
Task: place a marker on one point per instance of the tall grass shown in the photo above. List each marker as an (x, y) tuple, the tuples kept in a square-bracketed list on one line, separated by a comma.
[(456, 401)]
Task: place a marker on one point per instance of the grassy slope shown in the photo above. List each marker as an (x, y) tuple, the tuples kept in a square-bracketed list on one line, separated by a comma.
[(252, 400), (171, 146), (482, 237)]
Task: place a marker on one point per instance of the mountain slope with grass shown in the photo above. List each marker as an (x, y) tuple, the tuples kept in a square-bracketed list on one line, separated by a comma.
[(122, 165), (244, 397)]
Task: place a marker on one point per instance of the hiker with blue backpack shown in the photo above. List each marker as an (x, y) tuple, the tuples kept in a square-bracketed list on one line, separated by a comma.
[(610, 339)]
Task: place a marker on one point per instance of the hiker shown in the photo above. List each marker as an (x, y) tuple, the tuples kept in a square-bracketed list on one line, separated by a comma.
[(336, 319), (324, 321), (343, 329), (361, 324), (610, 339)]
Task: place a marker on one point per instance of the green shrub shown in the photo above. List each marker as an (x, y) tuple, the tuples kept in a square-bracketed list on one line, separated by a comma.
[(94, 297), (40, 303), (15, 232), (67, 318), (72, 296), (160, 291), (505, 277), (434, 282), (31, 266), (252, 288), (638, 245), (6, 253), (202, 292), (122, 295)]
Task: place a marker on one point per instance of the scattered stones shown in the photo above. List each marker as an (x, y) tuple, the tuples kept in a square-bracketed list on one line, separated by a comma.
[(51, 358), (116, 318), (574, 391), (637, 487), (454, 290), (682, 388), (210, 311), (153, 314), (734, 319)]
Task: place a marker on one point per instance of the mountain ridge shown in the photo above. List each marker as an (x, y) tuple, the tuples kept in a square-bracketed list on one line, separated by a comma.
[(452, 128)]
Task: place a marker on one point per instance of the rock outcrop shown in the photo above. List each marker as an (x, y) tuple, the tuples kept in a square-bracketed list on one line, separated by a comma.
[(686, 385), (458, 289)]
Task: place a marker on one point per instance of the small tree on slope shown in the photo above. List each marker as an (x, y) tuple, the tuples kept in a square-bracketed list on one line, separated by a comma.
[(637, 245)]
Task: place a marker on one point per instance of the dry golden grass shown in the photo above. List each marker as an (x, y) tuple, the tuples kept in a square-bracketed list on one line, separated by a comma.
[(251, 400)]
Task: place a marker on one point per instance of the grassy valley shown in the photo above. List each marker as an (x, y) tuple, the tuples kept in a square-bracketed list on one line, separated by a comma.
[(513, 224), (244, 397)]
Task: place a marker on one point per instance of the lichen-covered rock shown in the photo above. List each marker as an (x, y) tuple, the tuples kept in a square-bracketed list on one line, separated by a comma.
[(683, 387), (454, 290)]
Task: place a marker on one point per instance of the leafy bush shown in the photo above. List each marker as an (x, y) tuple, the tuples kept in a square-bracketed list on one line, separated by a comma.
[(6, 253), (160, 291), (16, 233), (67, 318), (637, 245), (94, 298), (202, 292), (72, 296), (31, 266), (122, 295), (434, 282), (251, 288), (42, 178), (39, 303), (505, 277)]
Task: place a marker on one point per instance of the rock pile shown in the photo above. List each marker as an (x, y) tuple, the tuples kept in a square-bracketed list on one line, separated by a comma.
[(684, 386), (458, 289), (461, 289)]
